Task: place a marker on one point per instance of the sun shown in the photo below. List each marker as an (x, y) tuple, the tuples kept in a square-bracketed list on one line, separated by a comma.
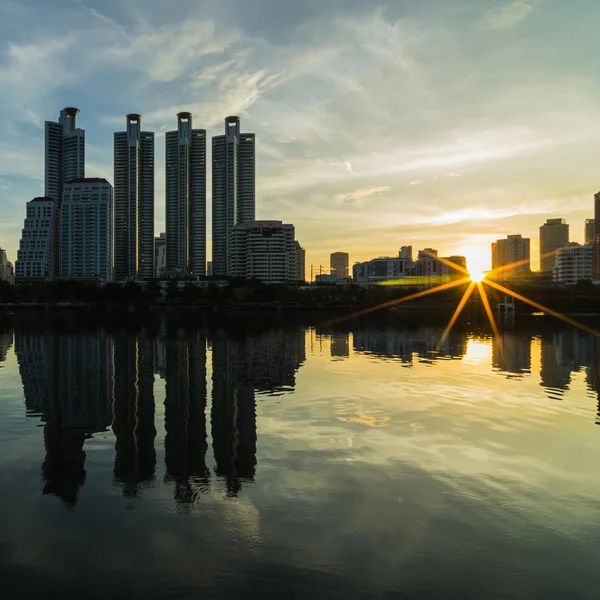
[(477, 276)]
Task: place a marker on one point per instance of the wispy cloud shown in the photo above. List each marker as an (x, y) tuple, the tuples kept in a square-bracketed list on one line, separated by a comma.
[(363, 193), (98, 15), (509, 14)]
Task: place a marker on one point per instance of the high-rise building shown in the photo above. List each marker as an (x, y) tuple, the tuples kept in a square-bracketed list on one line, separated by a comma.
[(573, 264), (338, 263), (86, 229), (37, 254), (134, 201), (4, 276), (233, 188), (406, 252), (514, 250), (299, 262), (64, 152), (554, 234), (596, 244), (186, 197), (160, 254), (263, 250), (590, 228)]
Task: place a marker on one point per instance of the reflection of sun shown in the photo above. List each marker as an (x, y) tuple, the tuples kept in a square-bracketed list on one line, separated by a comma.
[(478, 351)]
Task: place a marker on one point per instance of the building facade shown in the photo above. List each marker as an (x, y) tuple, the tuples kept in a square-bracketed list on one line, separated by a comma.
[(381, 269), (596, 244), (4, 273), (86, 229), (64, 152), (186, 197), (513, 250), (299, 262), (338, 263), (134, 202), (160, 254), (554, 234), (37, 253), (573, 264), (590, 229), (233, 189), (263, 250)]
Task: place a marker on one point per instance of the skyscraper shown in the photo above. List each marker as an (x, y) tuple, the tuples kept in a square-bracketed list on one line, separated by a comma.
[(186, 197), (64, 152), (233, 188), (590, 227), (299, 262), (338, 262), (596, 244), (513, 250), (134, 201), (38, 249), (86, 229), (554, 234)]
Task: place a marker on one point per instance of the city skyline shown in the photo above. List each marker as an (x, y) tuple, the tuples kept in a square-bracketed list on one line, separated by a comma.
[(373, 128)]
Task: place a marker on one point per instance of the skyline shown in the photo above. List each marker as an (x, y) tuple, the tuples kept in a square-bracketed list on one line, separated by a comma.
[(377, 127)]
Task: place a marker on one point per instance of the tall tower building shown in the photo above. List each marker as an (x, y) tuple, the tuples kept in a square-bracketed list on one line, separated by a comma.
[(86, 229), (233, 185), (64, 152), (590, 227), (514, 250), (134, 201), (596, 244), (338, 262), (186, 197), (554, 234)]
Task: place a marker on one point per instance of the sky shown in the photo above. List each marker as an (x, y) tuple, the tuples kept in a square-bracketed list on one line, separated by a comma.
[(431, 123)]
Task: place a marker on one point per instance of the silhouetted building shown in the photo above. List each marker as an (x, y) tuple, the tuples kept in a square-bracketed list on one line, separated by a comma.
[(133, 426), (134, 201), (233, 188), (185, 421), (186, 197), (338, 262), (160, 254), (554, 234), (590, 228), (596, 244), (299, 262)]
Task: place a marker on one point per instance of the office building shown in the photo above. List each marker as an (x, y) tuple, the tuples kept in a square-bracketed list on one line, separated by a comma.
[(381, 269), (590, 228), (186, 197), (596, 244), (160, 254), (37, 254), (86, 229), (134, 202), (573, 264), (233, 188), (429, 265), (10, 272), (554, 234), (515, 251), (263, 250), (338, 262), (4, 275), (64, 152), (299, 262)]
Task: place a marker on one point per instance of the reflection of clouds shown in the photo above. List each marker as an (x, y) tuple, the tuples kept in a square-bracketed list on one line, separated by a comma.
[(369, 418)]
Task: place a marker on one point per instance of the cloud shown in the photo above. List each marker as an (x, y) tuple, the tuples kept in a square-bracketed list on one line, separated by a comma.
[(101, 17), (363, 193), (508, 15)]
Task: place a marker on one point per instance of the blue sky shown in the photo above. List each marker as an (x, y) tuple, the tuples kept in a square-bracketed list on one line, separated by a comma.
[(444, 123)]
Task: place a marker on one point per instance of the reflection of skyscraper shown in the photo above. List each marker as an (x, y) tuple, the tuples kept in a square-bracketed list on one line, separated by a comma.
[(554, 378), (511, 352), (233, 415), (593, 375), (340, 344), (67, 380), (185, 420), (6, 341), (133, 426)]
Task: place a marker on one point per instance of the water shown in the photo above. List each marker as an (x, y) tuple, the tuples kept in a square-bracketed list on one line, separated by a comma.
[(191, 460)]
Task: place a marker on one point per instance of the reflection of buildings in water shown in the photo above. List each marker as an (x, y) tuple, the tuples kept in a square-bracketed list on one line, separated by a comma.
[(6, 342), (133, 425), (67, 380), (185, 420), (339, 342), (593, 374), (564, 352), (511, 352), (403, 344), (233, 413)]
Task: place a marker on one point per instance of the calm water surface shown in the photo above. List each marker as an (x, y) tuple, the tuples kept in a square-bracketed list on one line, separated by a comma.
[(298, 463)]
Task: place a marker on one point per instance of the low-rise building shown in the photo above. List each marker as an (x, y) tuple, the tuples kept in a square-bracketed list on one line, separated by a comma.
[(380, 269), (574, 263)]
